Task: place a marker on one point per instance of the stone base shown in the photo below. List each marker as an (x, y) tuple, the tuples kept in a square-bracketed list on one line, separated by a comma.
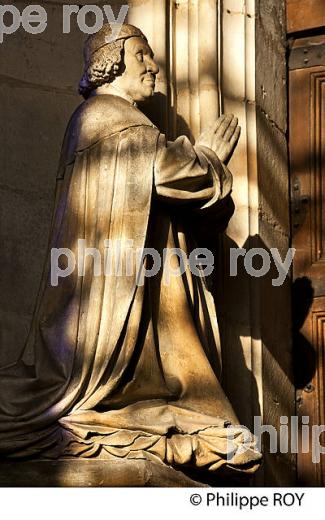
[(92, 473)]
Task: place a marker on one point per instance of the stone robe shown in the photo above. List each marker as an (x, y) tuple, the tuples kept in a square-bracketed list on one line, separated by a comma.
[(125, 366)]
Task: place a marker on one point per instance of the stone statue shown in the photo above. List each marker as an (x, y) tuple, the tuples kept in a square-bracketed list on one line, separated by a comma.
[(124, 364)]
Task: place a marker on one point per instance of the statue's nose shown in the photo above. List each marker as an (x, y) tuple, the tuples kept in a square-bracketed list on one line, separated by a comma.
[(152, 66)]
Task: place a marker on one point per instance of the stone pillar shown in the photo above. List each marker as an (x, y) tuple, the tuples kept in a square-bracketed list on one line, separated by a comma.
[(255, 315), (240, 298), (195, 64)]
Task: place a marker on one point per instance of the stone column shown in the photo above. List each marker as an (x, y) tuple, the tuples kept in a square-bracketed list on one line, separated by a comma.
[(255, 315), (240, 301)]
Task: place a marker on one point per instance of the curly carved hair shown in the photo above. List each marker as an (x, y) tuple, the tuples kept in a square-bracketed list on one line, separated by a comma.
[(104, 65)]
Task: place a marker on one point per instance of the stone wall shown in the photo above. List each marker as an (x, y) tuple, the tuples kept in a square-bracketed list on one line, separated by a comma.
[(38, 92), (274, 226)]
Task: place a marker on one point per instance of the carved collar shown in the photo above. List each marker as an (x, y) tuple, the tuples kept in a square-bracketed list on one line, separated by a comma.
[(115, 91)]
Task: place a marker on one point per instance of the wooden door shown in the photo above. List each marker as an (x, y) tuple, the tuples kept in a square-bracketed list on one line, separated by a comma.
[(307, 175)]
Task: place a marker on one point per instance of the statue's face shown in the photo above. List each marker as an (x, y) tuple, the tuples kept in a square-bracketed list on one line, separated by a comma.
[(138, 79)]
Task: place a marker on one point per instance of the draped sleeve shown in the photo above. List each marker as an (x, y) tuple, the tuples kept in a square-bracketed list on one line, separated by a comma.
[(186, 174)]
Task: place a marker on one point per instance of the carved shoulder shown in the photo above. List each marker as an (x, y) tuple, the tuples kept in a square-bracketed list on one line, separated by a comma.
[(98, 118)]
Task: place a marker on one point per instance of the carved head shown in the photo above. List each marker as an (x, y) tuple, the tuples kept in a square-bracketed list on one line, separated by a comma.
[(127, 61)]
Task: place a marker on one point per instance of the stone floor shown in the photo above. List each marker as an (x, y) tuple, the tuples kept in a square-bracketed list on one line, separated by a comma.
[(92, 473), (104, 473)]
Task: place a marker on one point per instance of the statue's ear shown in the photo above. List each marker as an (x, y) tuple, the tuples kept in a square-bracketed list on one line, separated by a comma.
[(83, 83)]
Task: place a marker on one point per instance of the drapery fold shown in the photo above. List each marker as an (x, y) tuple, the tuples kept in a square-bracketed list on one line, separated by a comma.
[(120, 353)]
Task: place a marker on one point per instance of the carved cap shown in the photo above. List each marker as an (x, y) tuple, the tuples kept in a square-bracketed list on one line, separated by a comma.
[(98, 40)]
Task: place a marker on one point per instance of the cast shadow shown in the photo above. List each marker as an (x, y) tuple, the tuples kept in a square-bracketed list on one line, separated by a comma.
[(304, 355), (263, 315), (159, 111), (230, 298)]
